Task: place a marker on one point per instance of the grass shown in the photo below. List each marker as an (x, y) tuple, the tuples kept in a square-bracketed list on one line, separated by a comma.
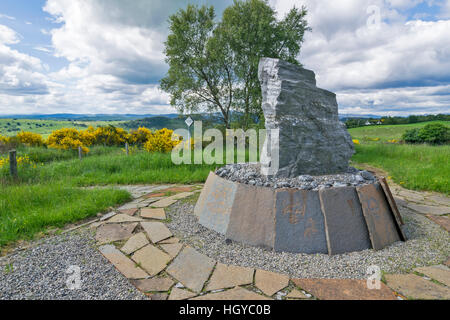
[(388, 132), (26, 210), (417, 167)]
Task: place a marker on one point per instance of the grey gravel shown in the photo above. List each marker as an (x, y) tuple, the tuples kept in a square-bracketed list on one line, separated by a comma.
[(250, 173), (39, 273), (428, 244)]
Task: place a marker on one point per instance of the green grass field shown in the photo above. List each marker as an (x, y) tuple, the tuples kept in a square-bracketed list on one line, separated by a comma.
[(418, 167), (385, 133)]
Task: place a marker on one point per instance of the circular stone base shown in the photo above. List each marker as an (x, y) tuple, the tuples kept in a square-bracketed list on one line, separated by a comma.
[(333, 220)]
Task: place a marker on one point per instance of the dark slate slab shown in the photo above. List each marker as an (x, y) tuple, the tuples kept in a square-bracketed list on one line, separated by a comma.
[(252, 218), (378, 215), (299, 225), (392, 204), (219, 199), (345, 225)]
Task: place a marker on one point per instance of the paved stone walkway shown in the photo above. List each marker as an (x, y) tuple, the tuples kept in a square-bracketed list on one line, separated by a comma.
[(136, 241)]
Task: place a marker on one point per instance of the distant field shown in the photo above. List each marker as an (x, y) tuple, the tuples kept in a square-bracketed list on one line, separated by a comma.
[(386, 133), (419, 167), (10, 127)]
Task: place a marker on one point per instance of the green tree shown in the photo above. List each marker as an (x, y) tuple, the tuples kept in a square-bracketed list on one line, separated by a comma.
[(215, 66)]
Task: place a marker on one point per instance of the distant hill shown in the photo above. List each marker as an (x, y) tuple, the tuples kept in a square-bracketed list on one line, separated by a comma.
[(159, 122), (86, 117)]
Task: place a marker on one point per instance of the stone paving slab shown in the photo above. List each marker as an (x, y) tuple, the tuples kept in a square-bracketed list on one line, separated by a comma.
[(164, 203), (114, 232), (270, 282), (157, 296), (440, 273), (424, 209), (415, 287), (343, 289), (237, 293), (131, 205), (443, 221), (170, 241), (177, 189), (156, 231), (180, 294), (135, 243), (130, 212), (345, 225), (440, 200), (151, 259), (153, 284), (150, 213), (121, 218), (182, 195), (124, 265), (172, 248), (228, 276), (297, 294), (191, 268), (108, 215)]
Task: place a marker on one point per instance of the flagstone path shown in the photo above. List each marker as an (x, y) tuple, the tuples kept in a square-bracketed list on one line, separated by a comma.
[(136, 241)]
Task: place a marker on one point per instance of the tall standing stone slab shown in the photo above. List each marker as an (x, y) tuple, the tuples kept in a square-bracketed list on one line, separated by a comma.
[(299, 226), (217, 206), (345, 226), (378, 215), (252, 219), (312, 140)]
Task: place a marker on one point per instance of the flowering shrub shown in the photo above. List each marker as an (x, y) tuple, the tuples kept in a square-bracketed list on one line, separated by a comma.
[(3, 139), (30, 139), (139, 136), (110, 136), (161, 141), (67, 138), (21, 161), (355, 141)]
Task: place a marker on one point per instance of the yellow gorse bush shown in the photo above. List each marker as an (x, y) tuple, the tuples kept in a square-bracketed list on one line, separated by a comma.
[(355, 141), (68, 138), (21, 161), (3, 139), (30, 139), (110, 136), (161, 141), (139, 136)]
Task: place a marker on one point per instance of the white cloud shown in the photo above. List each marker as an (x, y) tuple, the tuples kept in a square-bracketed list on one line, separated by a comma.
[(4, 16), (20, 74), (114, 50), (360, 63)]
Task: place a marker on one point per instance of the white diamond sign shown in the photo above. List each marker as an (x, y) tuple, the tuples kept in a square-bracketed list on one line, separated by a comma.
[(189, 121)]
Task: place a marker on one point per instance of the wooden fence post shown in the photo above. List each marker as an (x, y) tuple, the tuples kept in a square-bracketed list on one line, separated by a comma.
[(80, 153), (126, 147), (13, 164)]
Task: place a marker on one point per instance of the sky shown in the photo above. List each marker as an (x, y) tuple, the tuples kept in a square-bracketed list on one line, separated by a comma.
[(382, 57)]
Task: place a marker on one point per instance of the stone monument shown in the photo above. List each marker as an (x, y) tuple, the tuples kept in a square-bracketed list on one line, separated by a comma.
[(314, 203), (312, 140)]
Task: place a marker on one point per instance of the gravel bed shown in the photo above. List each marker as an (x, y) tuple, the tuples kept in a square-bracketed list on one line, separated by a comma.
[(251, 174), (428, 244), (39, 273)]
